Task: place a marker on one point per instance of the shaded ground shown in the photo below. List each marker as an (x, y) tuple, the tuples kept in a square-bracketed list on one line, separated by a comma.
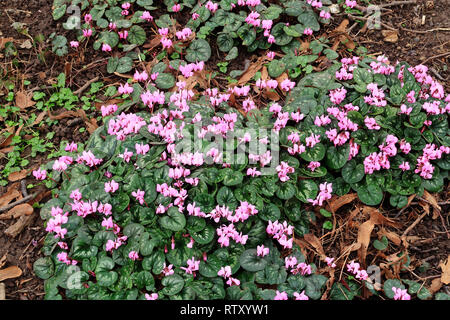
[(418, 46), (423, 38)]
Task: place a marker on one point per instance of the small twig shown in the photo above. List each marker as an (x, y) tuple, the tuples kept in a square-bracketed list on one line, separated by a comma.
[(414, 224), (396, 3), (436, 56), (85, 86), (12, 205), (437, 74), (424, 31), (368, 19), (23, 188)]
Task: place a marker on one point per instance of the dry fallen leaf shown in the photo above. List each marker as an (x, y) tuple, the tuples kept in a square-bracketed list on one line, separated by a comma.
[(390, 35), (337, 202), (10, 195), (39, 118), (10, 273), (445, 266), (26, 44), (436, 285), (18, 175), (271, 95), (315, 242), (24, 100), (3, 41), (252, 69), (432, 200), (21, 210), (2, 292), (365, 230), (391, 236)]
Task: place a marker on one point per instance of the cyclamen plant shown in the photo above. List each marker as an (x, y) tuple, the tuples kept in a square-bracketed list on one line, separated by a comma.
[(152, 209), (256, 25)]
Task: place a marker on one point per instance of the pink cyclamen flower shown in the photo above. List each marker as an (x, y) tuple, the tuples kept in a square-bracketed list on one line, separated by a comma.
[(308, 31), (301, 296), (313, 165), (350, 3), (400, 294), (40, 174), (225, 272), (87, 18), (147, 16), (166, 43), (71, 147), (111, 186), (404, 166), (325, 14), (106, 47), (330, 262), (211, 6), (280, 295), (262, 251), (142, 148), (123, 34), (287, 85), (133, 255), (152, 296), (168, 270), (371, 123), (74, 44), (125, 89), (139, 195), (176, 7), (87, 33)]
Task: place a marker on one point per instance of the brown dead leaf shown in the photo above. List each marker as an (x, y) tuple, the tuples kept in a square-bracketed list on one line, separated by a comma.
[(10, 273), (445, 266), (39, 118), (42, 75), (252, 70), (337, 202), (63, 115), (436, 285), (390, 35), (315, 242), (432, 200), (9, 196), (3, 260), (91, 125), (18, 175), (365, 230), (17, 211), (3, 41), (391, 236), (8, 140), (153, 43), (24, 100), (264, 73), (271, 95), (343, 36), (68, 69)]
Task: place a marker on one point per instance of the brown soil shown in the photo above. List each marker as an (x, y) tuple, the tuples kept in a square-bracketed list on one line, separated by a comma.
[(417, 43)]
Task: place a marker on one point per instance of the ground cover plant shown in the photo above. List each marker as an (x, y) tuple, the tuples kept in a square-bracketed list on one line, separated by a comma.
[(199, 185)]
